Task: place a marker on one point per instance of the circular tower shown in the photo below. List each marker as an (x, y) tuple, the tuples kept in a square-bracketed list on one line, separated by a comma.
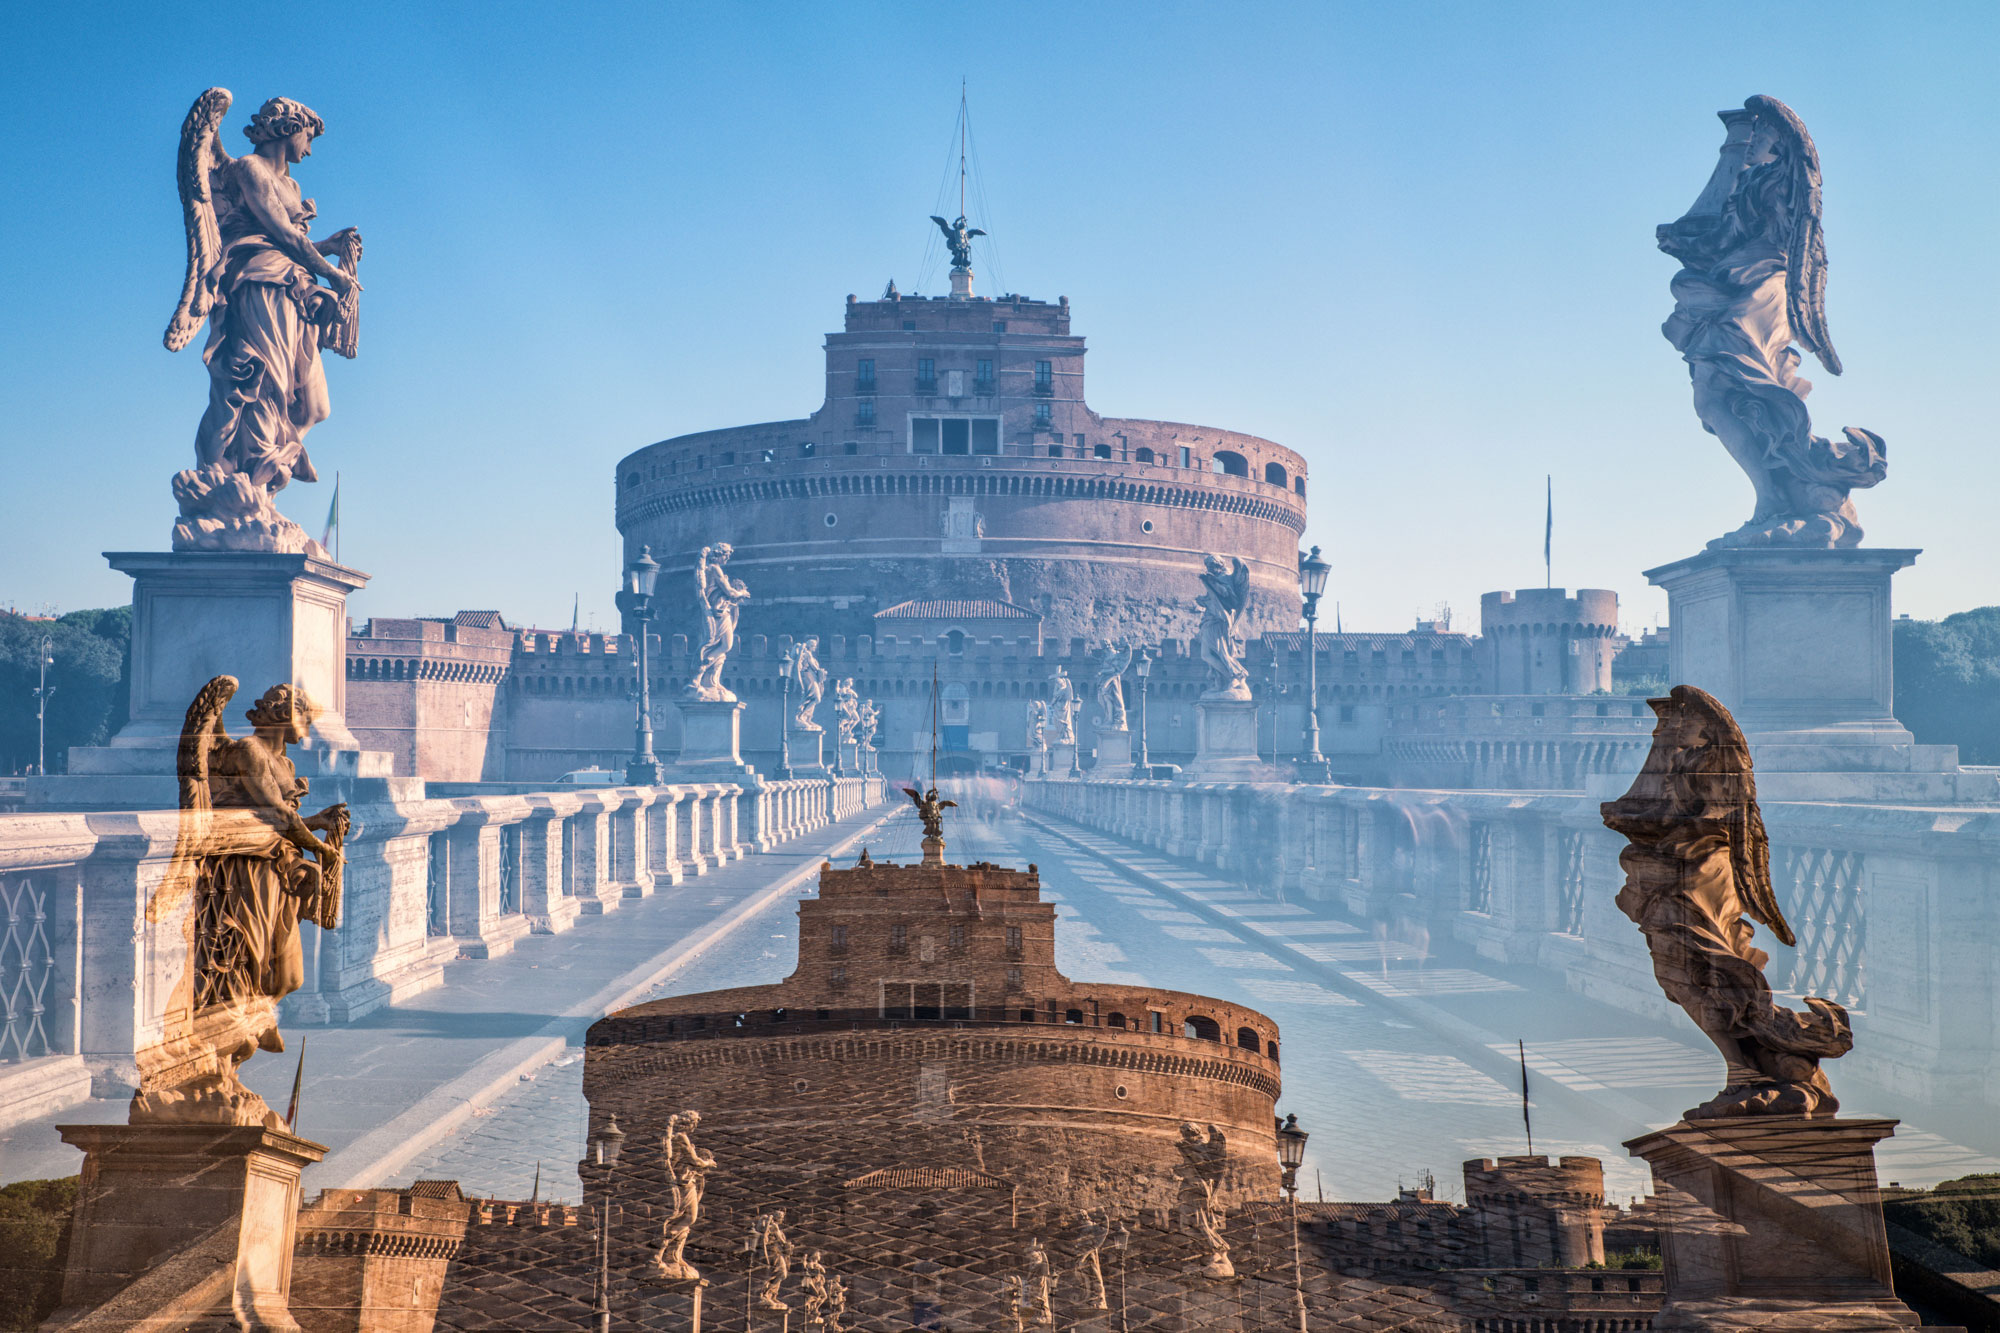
[(954, 456), (1544, 641)]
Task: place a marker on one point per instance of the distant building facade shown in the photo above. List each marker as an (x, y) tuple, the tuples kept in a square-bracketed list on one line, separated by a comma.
[(955, 456)]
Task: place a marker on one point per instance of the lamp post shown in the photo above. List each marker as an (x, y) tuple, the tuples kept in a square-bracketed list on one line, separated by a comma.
[(604, 1147), (1292, 1152), (1312, 766), (42, 693), (784, 773), (635, 602), (1143, 668)]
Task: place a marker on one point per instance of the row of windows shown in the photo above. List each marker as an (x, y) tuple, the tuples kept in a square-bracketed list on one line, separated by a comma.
[(981, 435), (955, 383), (899, 938)]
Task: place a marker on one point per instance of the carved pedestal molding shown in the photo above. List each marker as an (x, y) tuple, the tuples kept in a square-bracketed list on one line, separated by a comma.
[(711, 742), (1772, 1223), (1225, 741)]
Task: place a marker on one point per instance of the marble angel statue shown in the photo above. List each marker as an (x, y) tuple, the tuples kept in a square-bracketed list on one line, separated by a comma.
[(1038, 721), (1062, 708), (1225, 592), (870, 724), (272, 298), (1203, 1152), (802, 667), (253, 867), (1111, 686), (846, 710), (687, 1169), (1697, 873), (721, 599), (1752, 283)]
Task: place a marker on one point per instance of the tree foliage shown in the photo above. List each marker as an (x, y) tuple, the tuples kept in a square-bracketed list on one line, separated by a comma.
[(1962, 1215), (92, 695), (34, 1243), (1948, 682)]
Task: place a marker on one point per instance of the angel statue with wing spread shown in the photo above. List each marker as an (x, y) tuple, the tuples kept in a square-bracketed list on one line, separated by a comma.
[(272, 298), (254, 868), (958, 239), (1697, 873), (1225, 592), (1752, 283)]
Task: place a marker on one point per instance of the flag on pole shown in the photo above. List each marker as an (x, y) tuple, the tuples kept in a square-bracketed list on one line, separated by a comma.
[(1526, 1124), (298, 1077), (1549, 535), (576, 613), (332, 516)]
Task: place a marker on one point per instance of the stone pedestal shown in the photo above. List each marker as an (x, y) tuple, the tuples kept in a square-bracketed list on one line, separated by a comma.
[(1772, 1222), (1062, 760), (848, 762), (264, 619), (1225, 742), (711, 742), (870, 765), (206, 1214), (1114, 752), (807, 751), (1796, 644)]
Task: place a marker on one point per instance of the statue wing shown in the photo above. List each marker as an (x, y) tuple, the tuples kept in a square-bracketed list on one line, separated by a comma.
[(1805, 247), (1239, 583), (201, 153), (973, 232), (943, 226), (199, 735)]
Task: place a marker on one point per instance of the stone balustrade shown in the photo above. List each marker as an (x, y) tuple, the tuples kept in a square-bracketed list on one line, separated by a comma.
[(1891, 904), (88, 959)]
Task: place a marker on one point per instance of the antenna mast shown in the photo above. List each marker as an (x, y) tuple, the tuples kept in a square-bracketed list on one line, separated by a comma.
[(934, 722), (961, 147)]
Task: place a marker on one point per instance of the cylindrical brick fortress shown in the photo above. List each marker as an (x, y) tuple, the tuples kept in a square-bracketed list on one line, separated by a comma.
[(954, 456)]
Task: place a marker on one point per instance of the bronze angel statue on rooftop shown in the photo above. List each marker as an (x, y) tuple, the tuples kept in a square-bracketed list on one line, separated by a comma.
[(1752, 283), (1697, 873), (930, 810), (958, 239), (272, 298)]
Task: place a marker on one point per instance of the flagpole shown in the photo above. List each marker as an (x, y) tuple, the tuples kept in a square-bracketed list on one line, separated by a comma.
[(1548, 535), (1526, 1124)]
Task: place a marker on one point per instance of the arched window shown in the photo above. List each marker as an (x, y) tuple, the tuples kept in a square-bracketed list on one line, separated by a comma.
[(1073, 1016), (954, 642), (1114, 1020), (1229, 463), (1274, 474), (1203, 1028), (1248, 1039), (1101, 450), (1299, 485), (631, 480), (1271, 1049), (1142, 455)]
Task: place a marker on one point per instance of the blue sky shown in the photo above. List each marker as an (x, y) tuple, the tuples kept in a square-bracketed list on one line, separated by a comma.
[(1413, 242)]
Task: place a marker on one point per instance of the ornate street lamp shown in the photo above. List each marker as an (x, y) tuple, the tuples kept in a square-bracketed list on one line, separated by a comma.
[(1142, 766), (604, 1147), (635, 602), (784, 772), (1312, 765), (42, 692), (1292, 1152)]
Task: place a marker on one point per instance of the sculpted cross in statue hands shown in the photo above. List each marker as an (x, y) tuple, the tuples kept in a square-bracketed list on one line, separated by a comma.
[(272, 300), (1697, 873), (722, 601)]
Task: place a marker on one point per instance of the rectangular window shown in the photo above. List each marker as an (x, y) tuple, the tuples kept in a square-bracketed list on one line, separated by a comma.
[(864, 375), (1187, 456), (839, 974), (899, 938), (1013, 939), (999, 326), (770, 456), (853, 447), (1159, 1021), (1044, 377), (727, 460), (923, 435), (1014, 983), (700, 462), (926, 374), (864, 412), (840, 939), (1055, 451), (1042, 417), (909, 326), (807, 449), (957, 435), (986, 435), (957, 936), (983, 376)]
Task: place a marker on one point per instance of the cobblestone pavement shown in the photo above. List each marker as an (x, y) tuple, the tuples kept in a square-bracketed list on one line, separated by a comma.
[(1389, 1102)]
